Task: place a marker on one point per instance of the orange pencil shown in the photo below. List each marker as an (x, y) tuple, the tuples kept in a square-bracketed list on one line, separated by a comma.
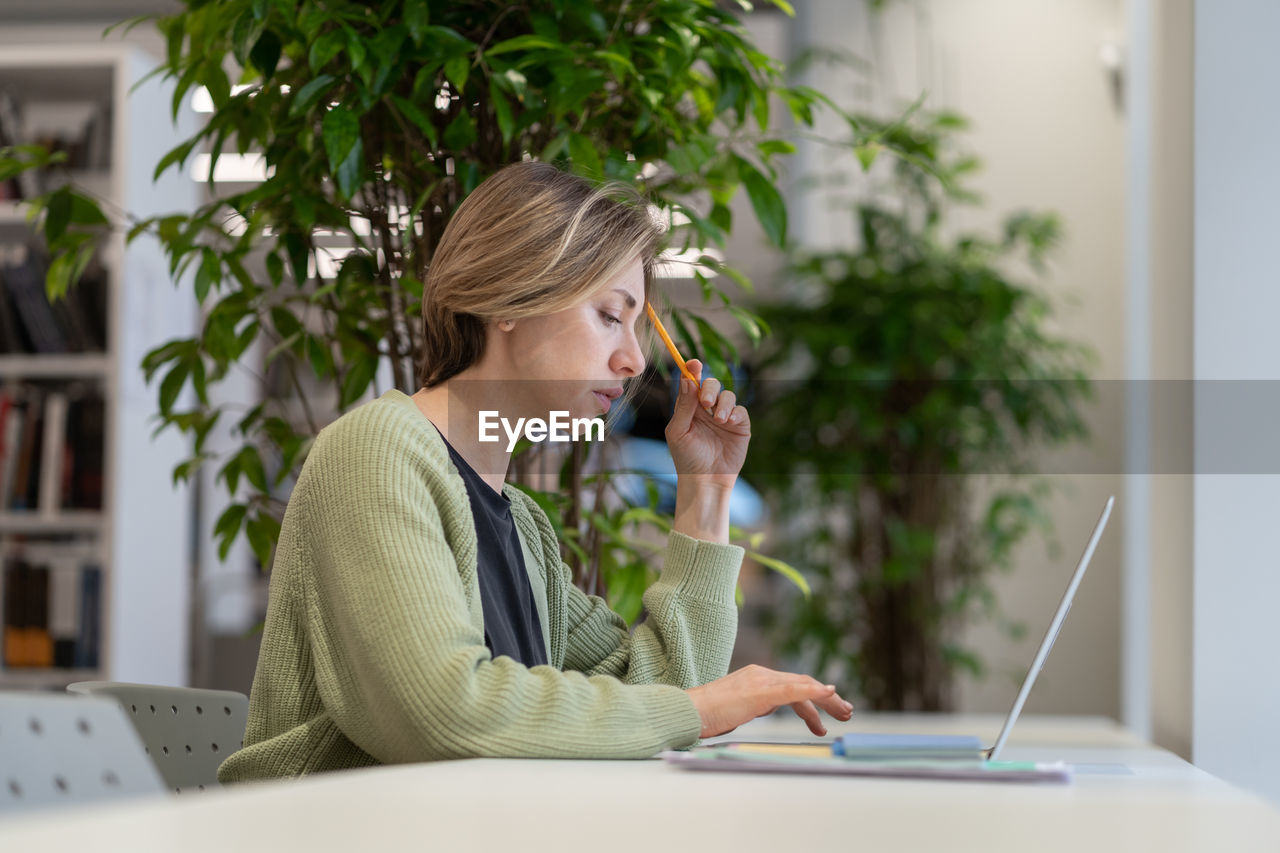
[(671, 347)]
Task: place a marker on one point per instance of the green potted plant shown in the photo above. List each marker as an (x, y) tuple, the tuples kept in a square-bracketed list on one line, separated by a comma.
[(905, 365)]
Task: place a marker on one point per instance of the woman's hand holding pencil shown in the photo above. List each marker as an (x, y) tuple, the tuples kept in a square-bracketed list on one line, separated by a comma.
[(707, 436)]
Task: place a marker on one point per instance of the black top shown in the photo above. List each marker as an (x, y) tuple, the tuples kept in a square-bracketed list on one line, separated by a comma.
[(511, 624)]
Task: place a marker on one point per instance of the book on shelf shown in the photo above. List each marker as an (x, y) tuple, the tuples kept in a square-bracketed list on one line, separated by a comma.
[(51, 448), (31, 323), (89, 638), (27, 642), (26, 286), (11, 420), (13, 337), (20, 495), (52, 613), (86, 442), (53, 453)]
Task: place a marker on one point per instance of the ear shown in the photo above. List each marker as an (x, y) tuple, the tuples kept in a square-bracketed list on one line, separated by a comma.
[(506, 325)]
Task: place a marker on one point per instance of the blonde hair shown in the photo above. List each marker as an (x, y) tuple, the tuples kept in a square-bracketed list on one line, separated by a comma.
[(530, 240)]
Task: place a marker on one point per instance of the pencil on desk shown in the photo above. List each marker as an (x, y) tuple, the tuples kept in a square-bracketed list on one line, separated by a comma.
[(671, 347)]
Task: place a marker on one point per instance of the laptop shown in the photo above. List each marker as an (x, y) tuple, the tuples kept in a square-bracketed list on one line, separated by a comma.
[(873, 748)]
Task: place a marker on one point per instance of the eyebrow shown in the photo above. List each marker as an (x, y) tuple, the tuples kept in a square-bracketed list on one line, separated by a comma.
[(631, 300)]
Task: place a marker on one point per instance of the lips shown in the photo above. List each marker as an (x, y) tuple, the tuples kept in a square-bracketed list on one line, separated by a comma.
[(606, 397)]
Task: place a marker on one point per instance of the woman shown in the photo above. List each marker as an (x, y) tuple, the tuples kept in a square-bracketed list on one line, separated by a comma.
[(419, 609)]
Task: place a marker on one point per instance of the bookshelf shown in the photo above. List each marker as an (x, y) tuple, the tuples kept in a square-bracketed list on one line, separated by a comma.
[(97, 550)]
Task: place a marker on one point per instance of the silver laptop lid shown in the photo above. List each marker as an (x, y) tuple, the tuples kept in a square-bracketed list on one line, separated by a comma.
[(1055, 626)]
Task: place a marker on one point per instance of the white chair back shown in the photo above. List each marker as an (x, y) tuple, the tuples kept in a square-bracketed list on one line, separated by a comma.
[(187, 731), (57, 749)]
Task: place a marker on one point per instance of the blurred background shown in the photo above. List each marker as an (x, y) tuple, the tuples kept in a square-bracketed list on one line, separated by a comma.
[(1097, 162)]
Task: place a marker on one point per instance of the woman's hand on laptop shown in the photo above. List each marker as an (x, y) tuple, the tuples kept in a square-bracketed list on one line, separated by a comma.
[(753, 691)]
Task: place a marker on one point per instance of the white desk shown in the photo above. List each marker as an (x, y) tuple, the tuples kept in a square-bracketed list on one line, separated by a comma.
[(512, 805)]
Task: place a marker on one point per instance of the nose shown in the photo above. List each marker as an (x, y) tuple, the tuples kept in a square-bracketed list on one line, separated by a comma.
[(628, 359)]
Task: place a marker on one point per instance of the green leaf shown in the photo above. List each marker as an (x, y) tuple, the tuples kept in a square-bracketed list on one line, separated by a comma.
[(460, 134), (183, 471), (177, 155), (325, 48), (286, 323), (57, 214), (309, 94), (359, 375), (523, 42), (417, 116), (245, 338), (209, 274), (355, 48), (200, 381), (227, 526), (775, 146), (866, 154), (263, 531), (514, 81), (554, 148), (171, 386), (417, 15), (501, 110), (755, 327), (351, 171), (637, 514), (266, 54), (215, 80), (456, 70), (166, 352), (84, 211), (319, 355), (785, 569), (252, 468), (66, 269), (766, 201), (721, 217), (275, 269), (175, 36), (244, 35), (586, 160), (340, 130)]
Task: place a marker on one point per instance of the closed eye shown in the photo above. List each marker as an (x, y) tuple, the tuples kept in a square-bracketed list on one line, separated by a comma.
[(609, 319)]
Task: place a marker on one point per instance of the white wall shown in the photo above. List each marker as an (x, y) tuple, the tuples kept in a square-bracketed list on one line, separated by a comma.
[(1237, 300)]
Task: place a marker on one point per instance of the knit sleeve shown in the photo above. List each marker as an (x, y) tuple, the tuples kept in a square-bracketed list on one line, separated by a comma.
[(399, 664), (686, 639)]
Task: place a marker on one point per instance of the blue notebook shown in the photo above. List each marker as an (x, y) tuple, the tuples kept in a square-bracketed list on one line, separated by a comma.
[(878, 747)]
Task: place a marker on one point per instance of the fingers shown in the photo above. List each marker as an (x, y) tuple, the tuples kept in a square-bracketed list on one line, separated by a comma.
[(754, 691), (686, 407), (806, 695), (724, 406), (807, 712), (836, 706), (709, 393)]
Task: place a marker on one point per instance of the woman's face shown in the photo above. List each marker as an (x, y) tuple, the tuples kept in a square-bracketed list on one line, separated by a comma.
[(576, 360)]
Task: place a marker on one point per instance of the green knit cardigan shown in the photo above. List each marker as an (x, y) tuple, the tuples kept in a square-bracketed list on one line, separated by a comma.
[(373, 648)]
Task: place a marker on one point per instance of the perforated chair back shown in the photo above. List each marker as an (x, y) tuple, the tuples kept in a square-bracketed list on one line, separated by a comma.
[(187, 731), (58, 749)]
